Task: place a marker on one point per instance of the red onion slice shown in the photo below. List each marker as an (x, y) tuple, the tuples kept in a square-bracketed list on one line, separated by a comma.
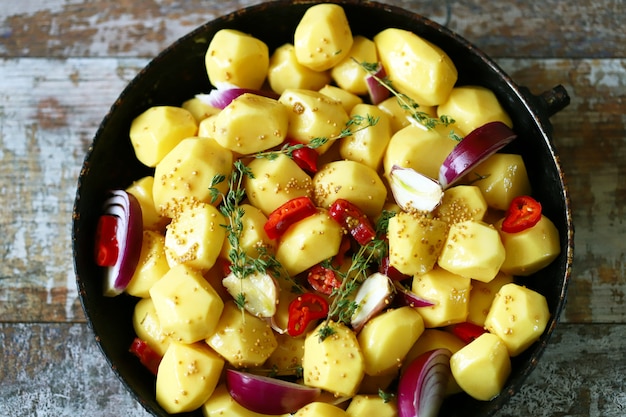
[(413, 190), (221, 97), (422, 387), (125, 207), (477, 146), (409, 298), (377, 91), (266, 395)]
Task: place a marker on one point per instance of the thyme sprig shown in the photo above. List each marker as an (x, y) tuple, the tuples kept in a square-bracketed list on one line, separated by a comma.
[(343, 306), (408, 104), (355, 124), (242, 264)]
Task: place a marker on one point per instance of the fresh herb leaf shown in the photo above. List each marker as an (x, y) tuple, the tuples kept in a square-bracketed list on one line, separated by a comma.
[(386, 396), (343, 306)]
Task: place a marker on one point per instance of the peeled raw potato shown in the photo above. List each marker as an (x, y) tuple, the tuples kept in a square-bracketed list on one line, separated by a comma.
[(530, 250), (234, 58), (518, 316), (187, 305), (187, 376), (482, 367), (251, 123), (323, 37), (472, 106), (286, 72), (415, 66), (158, 130)]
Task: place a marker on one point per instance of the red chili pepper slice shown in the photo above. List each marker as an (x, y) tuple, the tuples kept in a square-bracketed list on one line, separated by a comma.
[(322, 279), (467, 331), (305, 157), (352, 218), (289, 213), (523, 213), (305, 309), (107, 247), (147, 356)]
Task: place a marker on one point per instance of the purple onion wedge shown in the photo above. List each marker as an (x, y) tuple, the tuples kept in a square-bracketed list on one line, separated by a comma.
[(266, 395)]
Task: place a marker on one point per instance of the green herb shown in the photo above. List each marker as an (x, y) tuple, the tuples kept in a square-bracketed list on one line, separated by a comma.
[(407, 103), (240, 300), (343, 306), (355, 124), (243, 265), (382, 224), (386, 396)]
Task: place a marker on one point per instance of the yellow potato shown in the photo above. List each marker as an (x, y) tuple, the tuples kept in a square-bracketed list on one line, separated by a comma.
[(199, 109), (482, 296), (415, 242), (319, 409), (187, 171), (351, 181), (415, 66), (530, 250), (418, 148), (287, 357), (241, 338), (142, 190), (461, 203), (518, 316), (335, 364), (473, 249), (253, 240), (348, 74), (472, 106), (482, 367), (251, 123), (387, 338), (323, 37), (195, 236), (234, 58), (313, 115), (450, 293), (367, 146), (187, 376), (151, 267), (187, 306), (501, 178), (158, 130), (347, 100), (308, 242), (147, 326), (371, 405), (286, 72), (275, 182)]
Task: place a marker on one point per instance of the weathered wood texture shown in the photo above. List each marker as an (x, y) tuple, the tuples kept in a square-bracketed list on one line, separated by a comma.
[(57, 370), (513, 28), (64, 62)]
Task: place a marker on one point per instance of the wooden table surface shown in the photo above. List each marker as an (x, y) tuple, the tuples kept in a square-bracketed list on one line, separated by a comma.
[(64, 62)]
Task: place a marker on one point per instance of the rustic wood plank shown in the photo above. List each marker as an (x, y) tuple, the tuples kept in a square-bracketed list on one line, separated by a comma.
[(57, 370), (518, 28), (44, 136)]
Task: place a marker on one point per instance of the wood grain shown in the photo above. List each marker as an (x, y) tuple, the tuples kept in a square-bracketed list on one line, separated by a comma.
[(515, 28)]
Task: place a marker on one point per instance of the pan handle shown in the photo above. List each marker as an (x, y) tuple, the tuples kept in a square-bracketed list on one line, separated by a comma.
[(554, 100)]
